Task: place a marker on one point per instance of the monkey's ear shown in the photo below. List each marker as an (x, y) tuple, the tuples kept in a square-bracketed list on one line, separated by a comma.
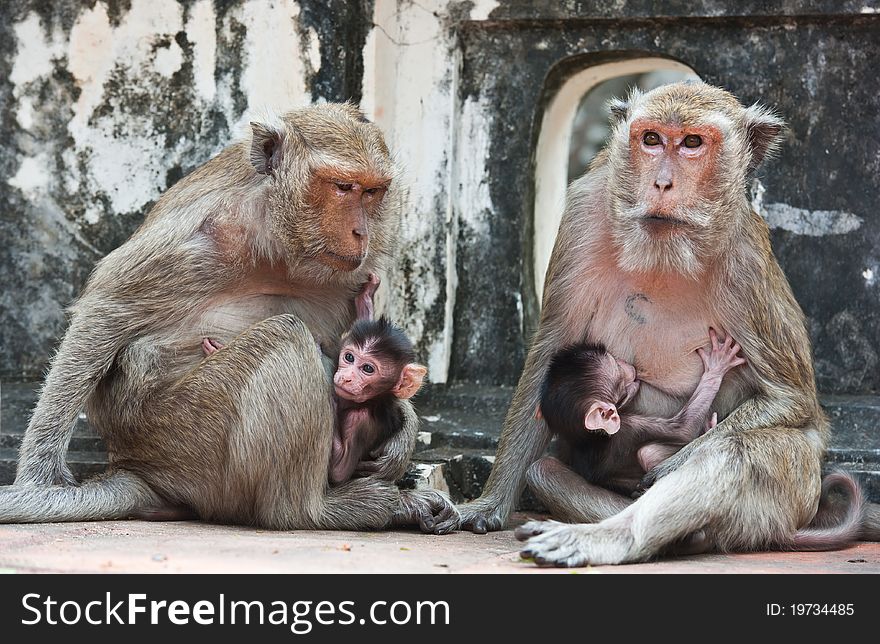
[(602, 415), (265, 148), (538, 413), (764, 131), (619, 109), (411, 378)]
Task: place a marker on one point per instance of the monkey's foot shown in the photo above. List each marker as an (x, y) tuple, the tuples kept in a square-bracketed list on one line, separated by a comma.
[(483, 515), (210, 345), (565, 545), (431, 510)]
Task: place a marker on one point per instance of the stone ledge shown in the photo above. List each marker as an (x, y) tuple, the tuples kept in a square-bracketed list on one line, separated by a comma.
[(461, 427)]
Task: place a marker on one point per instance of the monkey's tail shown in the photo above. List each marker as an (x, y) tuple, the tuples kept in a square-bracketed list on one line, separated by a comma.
[(844, 533), (871, 523), (117, 495)]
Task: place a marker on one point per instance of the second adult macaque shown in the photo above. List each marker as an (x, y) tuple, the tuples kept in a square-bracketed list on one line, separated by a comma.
[(583, 400)]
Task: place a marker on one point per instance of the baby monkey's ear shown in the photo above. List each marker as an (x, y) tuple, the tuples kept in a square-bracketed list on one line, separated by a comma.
[(410, 381), (602, 415)]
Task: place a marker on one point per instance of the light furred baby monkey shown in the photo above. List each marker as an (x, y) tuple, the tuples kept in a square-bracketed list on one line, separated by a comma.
[(376, 366), (582, 401)]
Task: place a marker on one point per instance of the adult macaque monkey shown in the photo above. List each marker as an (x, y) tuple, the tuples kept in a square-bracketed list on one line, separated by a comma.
[(657, 244), (264, 248)]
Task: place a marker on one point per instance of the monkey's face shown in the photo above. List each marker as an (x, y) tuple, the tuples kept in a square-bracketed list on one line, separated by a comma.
[(665, 196), (360, 376), (617, 381), (342, 211), (674, 167), (677, 167)]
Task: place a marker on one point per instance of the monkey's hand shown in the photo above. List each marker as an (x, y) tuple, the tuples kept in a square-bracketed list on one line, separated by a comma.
[(722, 358), (388, 462), (430, 509), (710, 423), (483, 515), (363, 303)]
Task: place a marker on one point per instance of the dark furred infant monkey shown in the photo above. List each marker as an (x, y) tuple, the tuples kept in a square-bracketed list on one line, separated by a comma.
[(581, 402)]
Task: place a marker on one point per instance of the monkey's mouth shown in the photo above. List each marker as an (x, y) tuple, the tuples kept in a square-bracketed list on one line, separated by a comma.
[(346, 263), (657, 220), (344, 393)]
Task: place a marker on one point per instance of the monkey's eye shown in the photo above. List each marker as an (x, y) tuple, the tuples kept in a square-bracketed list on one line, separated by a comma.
[(344, 187), (651, 138), (348, 357), (372, 191), (693, 141), (368, 368)]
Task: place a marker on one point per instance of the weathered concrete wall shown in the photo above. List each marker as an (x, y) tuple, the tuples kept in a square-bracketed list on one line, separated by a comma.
[(104, 104), (814, 63)]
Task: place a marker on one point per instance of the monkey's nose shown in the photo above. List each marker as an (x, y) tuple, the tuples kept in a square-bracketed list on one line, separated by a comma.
[(663, 184)]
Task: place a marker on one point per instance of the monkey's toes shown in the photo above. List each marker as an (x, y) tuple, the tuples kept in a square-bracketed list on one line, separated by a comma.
[(482, 515), (531, 528), (450, 522), (557, 546)]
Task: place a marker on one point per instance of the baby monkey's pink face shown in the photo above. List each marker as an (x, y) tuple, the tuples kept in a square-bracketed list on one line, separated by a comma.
[(360, 376)]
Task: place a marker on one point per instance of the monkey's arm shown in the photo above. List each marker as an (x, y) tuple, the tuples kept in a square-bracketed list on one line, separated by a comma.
[(779, 371), (566, 310), (84, 356), (391, 459), (690, 422), (119, 302), (356, 429)]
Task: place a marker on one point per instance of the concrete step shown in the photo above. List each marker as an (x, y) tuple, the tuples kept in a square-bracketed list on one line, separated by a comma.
[(461, 425)]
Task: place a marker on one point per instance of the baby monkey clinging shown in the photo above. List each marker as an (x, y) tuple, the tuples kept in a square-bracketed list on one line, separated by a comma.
[(376, 367), (581, 401)]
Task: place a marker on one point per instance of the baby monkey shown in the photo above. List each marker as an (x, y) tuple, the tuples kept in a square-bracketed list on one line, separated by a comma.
[(583, 393), (376, 367)]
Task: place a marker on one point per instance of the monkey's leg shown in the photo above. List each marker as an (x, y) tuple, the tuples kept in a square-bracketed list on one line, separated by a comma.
[(571, 499), (568, 496), (371, 504), (653, 453), (731, 488), (119, 495), (280, 423)]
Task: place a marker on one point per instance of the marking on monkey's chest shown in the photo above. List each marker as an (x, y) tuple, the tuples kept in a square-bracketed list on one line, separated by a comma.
[(631, 304)]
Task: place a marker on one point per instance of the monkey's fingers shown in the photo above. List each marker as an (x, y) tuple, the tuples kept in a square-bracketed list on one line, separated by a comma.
[(448, 520), (645, 484), (531, 528), (713, 337), (704, 357)]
